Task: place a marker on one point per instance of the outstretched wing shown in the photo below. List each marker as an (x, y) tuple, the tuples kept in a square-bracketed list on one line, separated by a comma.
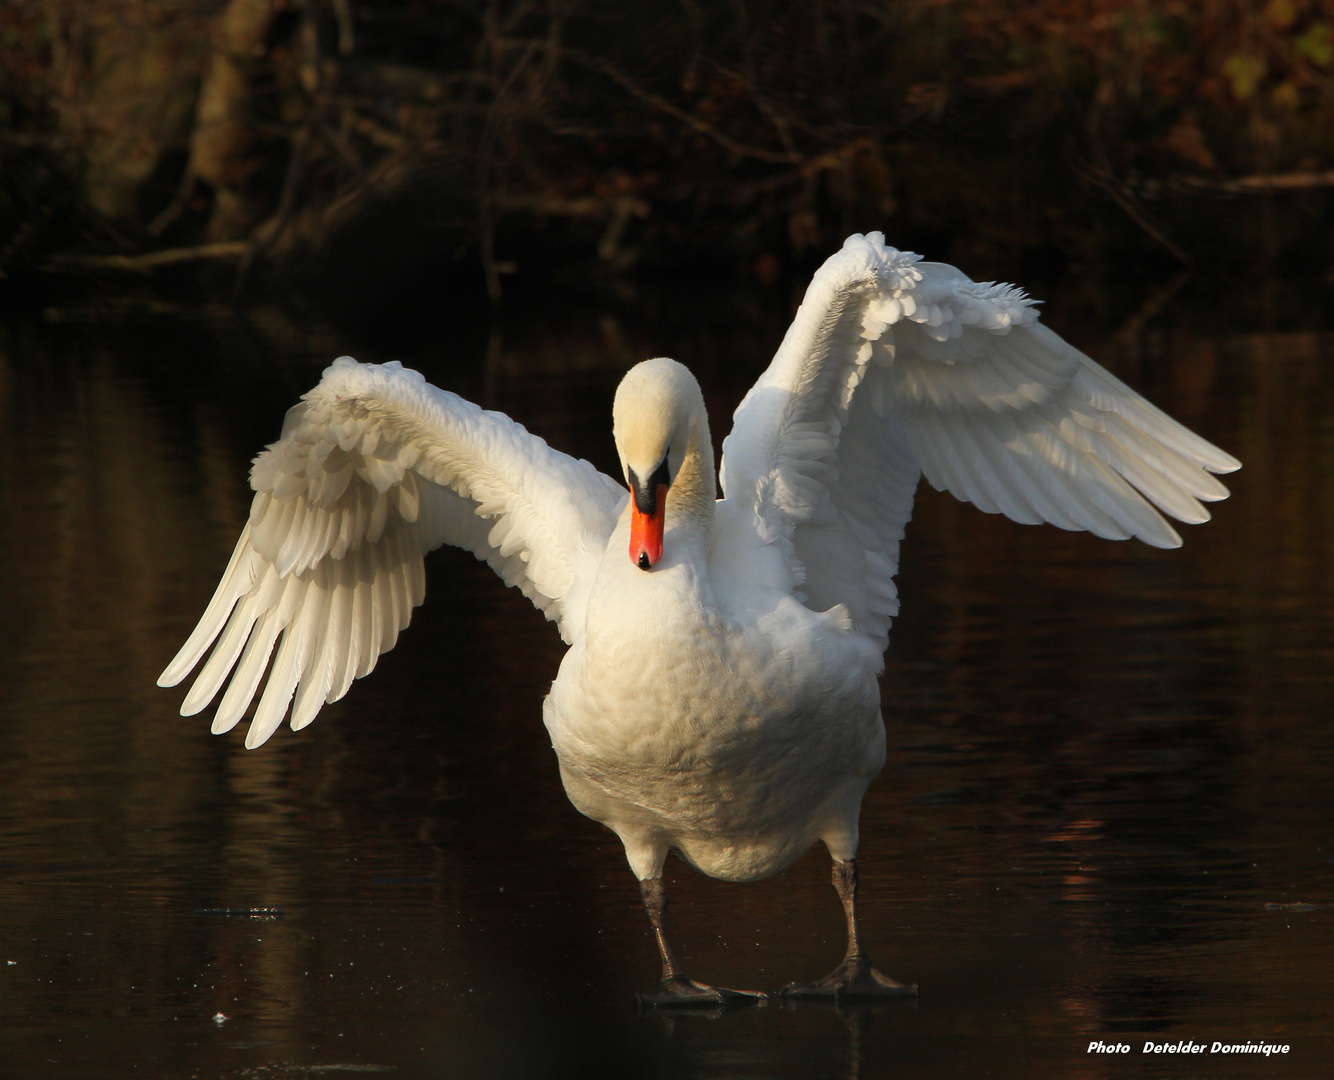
[(893, 368), (374, 468)]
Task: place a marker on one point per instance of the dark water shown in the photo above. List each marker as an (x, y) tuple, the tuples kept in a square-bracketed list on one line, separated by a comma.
[(1108, 813)]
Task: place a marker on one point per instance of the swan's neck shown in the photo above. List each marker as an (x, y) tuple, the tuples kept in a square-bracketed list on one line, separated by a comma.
[(691, 498)]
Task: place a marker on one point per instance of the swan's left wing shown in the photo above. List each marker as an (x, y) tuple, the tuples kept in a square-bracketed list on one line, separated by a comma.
[(375, 468), (894, 368)]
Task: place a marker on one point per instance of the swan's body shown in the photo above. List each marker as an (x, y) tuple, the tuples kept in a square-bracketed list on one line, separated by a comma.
[(719, 697), (736, 726)]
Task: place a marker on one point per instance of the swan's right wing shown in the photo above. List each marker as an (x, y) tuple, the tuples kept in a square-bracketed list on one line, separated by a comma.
[(894, 367), (374, 468)]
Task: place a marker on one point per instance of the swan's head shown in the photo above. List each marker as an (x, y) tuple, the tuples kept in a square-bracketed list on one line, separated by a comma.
[(652, 419)]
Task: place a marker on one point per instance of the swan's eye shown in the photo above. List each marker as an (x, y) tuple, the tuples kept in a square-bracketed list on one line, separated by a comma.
[(646, 494)]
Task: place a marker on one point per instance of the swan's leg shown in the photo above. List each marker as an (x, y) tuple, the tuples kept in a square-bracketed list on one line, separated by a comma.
[(855, 977), (675, 988)]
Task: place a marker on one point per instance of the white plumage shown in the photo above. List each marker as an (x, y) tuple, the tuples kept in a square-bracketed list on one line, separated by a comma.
[(724, 703), (373, 470)]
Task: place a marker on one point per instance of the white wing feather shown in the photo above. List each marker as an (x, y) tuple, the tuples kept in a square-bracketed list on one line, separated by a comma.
[(374, 468), (894, 366)]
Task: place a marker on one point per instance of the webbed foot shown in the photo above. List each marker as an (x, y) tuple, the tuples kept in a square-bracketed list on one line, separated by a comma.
[(676, 991), (851, 980)]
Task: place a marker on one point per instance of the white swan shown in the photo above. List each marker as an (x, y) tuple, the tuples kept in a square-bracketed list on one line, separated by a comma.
[(719, 697)]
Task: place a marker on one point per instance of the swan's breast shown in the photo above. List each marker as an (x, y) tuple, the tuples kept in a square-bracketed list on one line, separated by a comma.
[(723, 729)]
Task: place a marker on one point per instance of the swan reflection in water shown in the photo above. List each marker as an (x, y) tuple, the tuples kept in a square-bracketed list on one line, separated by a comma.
[(719, 697)]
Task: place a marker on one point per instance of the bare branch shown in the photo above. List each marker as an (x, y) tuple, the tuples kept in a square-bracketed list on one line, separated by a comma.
[(152, 260)]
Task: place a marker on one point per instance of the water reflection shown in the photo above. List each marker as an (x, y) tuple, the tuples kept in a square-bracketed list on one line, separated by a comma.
[(1107, 807)]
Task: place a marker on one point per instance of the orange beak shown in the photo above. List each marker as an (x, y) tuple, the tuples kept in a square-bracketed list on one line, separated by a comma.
[(646, 530)]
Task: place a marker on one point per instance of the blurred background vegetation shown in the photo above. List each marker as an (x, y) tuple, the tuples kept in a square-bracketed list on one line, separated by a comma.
[(419, 141)]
